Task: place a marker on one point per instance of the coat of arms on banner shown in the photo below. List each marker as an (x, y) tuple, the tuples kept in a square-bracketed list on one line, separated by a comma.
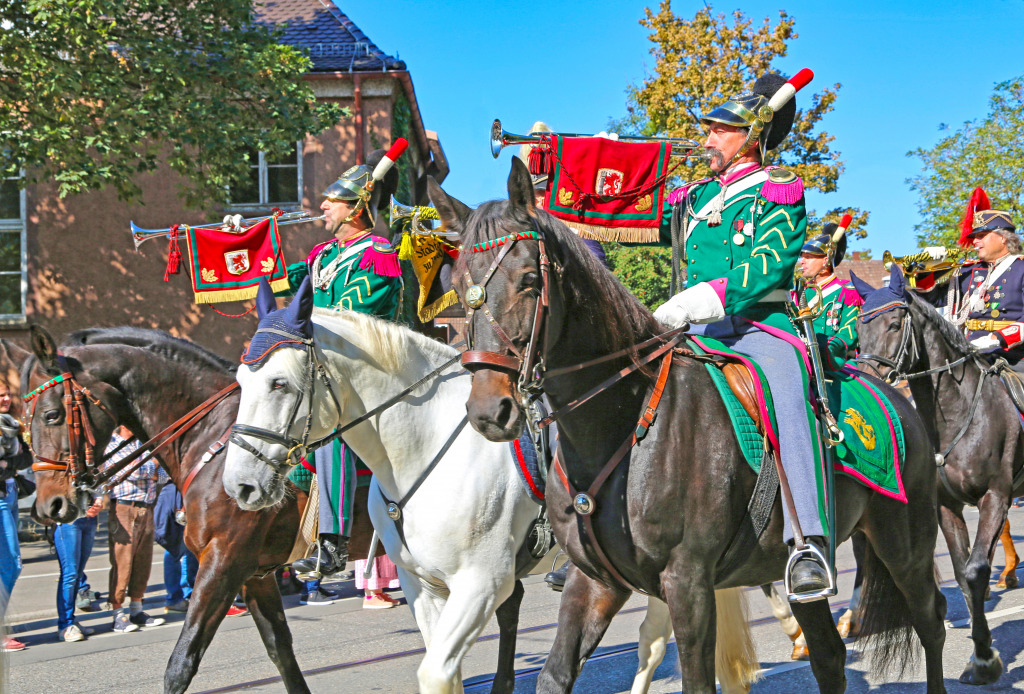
[(237, 261), (608, 182)]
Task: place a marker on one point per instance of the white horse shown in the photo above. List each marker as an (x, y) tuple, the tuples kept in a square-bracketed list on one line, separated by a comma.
[(462, 529)]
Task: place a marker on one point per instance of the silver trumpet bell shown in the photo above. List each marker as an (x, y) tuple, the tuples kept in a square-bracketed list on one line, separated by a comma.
[(681, 147), (420, 219), (140, 235)]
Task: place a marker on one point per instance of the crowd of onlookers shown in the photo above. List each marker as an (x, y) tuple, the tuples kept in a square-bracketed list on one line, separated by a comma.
[(144, 509)]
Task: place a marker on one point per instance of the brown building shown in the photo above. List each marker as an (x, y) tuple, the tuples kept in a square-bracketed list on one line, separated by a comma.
[(71, 263), (871, 271)]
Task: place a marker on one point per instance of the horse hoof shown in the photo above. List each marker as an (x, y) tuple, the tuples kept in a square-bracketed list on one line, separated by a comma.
[(800, 652), (1008, 581), (979, 672)]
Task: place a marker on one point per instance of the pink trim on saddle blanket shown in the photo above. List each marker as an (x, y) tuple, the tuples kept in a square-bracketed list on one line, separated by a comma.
[(902, 496), (761, 403)]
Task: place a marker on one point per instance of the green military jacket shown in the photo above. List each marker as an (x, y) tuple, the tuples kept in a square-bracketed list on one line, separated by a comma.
[(360, 274), (836, 325), (749, 256)]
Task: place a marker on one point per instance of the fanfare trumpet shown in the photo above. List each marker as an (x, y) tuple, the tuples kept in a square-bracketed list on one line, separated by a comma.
[(417, 215), (916, 263), (681, 147), (140, 235)]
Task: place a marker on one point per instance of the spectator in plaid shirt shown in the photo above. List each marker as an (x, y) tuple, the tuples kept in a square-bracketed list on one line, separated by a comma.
[(130, 521)]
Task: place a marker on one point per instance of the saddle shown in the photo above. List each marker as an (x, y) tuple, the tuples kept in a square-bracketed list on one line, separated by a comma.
[(741, 383), (1014, 382)]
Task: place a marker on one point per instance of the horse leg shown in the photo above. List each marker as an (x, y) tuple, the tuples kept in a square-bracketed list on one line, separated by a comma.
[(264, 601), (584, 613), (828, 659), (1008, 579), (954, 530), (985, 666), (655, 631), (469, 606), (217, 583), (690, 595), (783, 613), (508, 624), (849, 622)]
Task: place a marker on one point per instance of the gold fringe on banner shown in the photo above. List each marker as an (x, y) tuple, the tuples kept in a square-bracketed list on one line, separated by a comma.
[(219, 296), (613, 234), (428, 313)]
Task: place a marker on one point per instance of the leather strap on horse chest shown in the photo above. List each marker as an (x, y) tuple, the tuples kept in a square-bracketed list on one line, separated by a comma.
[(584, 502), (215, 448)]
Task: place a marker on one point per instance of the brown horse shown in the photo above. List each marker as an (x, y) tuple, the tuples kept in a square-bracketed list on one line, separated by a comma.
[(147, 379), (980, 452), (665, 521)]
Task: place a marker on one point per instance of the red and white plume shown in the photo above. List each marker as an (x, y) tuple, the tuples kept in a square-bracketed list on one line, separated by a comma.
[(978, 203), (844, 224), (390, 158), (790, 88)]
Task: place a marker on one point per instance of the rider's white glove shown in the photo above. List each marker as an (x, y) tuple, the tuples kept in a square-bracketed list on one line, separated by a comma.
[(985, 342), (936, 252), (607, 135), (696, 304)]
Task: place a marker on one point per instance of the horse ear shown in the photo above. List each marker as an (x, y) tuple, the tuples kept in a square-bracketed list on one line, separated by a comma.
[(453, 213), (520, 189), (45, 349), (265, 301), (897, 282), (301, 307), (862, 287), (14, 358)]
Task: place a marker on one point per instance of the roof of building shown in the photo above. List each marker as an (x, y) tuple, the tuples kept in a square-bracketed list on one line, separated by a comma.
[(332, 41)]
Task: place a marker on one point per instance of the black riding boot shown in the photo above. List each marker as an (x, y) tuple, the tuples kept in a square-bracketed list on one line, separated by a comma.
[(330, 558), (809, 574), (556, 579)]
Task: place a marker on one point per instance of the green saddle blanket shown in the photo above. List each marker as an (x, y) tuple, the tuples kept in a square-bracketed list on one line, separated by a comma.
[(872, 450)]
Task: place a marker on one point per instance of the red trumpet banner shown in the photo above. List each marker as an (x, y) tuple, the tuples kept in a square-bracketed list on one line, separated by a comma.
[(608, 190), (228, 267)]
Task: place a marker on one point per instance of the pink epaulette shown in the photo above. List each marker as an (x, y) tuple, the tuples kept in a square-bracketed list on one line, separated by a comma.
[(850, 296), (382, 258), (784, 189), (679, 193), (316, 250)]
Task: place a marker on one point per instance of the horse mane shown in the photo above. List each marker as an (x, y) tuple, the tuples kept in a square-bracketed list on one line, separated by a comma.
[(590, 288), (949, 332), (157, 341), (389, 344)]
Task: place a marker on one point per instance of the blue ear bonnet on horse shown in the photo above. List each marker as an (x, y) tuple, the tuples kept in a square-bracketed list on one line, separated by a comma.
[(879, 301), (286, 327)]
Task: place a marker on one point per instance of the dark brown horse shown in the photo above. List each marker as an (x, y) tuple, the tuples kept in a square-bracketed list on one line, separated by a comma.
[(666, 518), (147, 379), (982, 450)]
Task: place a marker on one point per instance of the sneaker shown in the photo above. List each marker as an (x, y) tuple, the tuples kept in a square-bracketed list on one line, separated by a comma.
[(11, 645), (320, 597), (180, 606), (123, 623), (71, 634), (83, 603), (235, 611), (378, 601), (144, 620)]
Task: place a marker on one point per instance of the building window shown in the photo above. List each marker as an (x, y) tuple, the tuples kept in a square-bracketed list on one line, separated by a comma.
[(271, 182), (13, 276)]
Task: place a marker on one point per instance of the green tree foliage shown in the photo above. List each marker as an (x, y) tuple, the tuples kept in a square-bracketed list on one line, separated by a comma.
[(92, 92), (699, 64), (986, 153)]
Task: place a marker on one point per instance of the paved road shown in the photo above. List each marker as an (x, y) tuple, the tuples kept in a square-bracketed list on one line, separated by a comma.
[(344, 648)]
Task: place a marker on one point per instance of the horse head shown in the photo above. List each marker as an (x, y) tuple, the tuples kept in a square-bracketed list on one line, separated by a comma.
[(885, 328), (274, 416), (505, 277)]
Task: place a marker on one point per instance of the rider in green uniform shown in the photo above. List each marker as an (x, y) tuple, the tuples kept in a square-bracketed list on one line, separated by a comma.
[(354, 271), (836, 324)]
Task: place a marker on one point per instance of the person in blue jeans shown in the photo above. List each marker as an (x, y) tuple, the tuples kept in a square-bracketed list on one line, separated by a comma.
[(10, 553), (73, 542), (180, 565)]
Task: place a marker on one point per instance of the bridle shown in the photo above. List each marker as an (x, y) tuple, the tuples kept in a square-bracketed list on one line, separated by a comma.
[(527, 365), (81, 468), (297, 448)]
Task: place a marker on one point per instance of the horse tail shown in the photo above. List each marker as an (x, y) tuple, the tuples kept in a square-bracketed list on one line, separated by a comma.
[(886, 624), (736, 662)]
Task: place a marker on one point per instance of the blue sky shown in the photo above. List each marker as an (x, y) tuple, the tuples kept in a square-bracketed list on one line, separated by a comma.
[(905, 68)]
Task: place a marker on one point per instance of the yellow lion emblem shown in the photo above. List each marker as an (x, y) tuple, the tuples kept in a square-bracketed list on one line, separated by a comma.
[(865, 432)]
